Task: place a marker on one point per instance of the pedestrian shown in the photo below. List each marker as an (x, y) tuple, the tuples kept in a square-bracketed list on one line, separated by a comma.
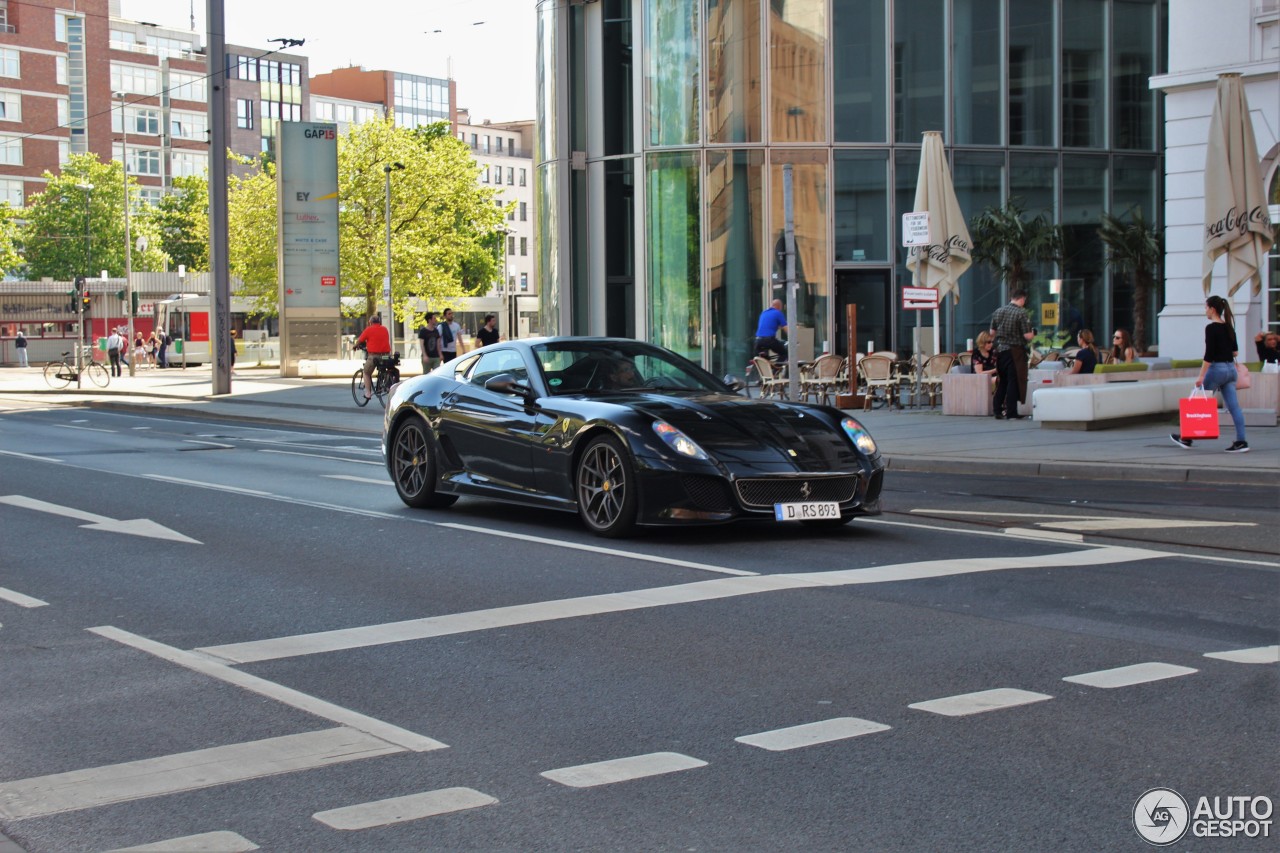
[(153, 347), (162, 353), (1012, 330), (139, 350), (115, 343), (1087, 358), (21, 345), (450, 333), (429, 340), (1122, 351), (1218, 370), (771, 321), (488, 333), (1267, 344), (231, 341)]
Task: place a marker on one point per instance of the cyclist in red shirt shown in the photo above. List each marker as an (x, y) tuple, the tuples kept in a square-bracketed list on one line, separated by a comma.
[(377, 342)]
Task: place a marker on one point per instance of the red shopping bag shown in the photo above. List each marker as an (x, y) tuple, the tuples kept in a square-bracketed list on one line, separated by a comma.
[(1198, 415)]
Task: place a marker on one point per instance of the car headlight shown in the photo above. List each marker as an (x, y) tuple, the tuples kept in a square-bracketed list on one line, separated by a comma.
[(859, 436), (678, 441)]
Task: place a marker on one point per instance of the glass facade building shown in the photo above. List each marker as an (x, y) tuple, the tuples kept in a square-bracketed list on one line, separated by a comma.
[(665, 126)]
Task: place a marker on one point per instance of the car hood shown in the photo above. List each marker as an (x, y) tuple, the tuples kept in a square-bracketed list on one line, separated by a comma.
[(753, 432)]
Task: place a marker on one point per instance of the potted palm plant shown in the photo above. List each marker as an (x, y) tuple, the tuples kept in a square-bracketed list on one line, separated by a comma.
[(1134, 246)]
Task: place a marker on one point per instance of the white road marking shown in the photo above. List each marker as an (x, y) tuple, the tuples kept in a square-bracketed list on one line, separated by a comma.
[(1261, 654), (980, 702), (142, 428), (20, 599), (1127, 676), (1043, 535), (185, 771), (205, 842), (86, 429), (596, 549), (133, 527), (207, 443), (321, 456), (404, 809), (215, 486), (1003, 514), (354, 479), (809, 734), (1092, 522), (623, 769), (617, 602), (29, 456), (285, 695)]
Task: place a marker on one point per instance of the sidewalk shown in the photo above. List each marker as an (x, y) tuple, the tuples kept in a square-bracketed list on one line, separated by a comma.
[(923, 440)]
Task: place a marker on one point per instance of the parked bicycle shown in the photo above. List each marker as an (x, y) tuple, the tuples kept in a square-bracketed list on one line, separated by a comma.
[(386, 373), (60, 374)]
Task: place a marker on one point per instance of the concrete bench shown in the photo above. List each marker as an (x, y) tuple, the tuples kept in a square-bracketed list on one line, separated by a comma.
[(1115, 404)]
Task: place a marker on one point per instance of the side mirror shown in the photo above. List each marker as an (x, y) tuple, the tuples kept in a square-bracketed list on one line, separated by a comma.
[(505, 383), (734, 383)]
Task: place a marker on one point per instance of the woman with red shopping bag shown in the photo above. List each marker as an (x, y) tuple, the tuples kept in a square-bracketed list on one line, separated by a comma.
[(1218, 372)]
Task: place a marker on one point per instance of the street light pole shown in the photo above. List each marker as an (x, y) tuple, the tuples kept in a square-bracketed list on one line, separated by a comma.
[(88, 265), (386, 282), (128, 239)]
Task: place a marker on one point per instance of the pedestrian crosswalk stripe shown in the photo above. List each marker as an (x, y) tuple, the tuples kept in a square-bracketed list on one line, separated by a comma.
[(404, 809), (205, 842), (811, 734), (185, 771), (623, 769), (20, 599), (1127, 676), (980, 702), (1261, 654)]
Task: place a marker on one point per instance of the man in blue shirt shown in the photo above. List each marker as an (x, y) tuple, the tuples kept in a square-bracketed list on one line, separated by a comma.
[(771, 320)]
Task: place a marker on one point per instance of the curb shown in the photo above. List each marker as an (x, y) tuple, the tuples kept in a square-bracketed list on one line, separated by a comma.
[(283, 420), (1082, 471)]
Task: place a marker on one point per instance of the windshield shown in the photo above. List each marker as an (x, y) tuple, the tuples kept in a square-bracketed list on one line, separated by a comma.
[(576, 367)]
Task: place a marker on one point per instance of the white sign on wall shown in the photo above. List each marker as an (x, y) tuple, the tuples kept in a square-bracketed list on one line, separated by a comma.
[(915, 229)]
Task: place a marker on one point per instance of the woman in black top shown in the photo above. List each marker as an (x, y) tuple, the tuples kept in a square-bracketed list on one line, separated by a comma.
[(1087, 357), (1218, 371)]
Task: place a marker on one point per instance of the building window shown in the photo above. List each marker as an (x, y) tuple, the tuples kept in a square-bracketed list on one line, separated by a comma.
[(188, 125), (511, 176), (485, 149), (147, 197), (524, 281), (11, 107), (140, 120), (135, 79), (11, 192), (524, 212), (5, 26), (144, 161), (64, 151), (187, 87), (64, 112), (511, 214), (473, 142), (523, 178), (323, 110), (511, 246), (244, 113), (9, 63), (60, 26), (194, 164), (524, 247), (60, 70), (11, 150), (484, 174)]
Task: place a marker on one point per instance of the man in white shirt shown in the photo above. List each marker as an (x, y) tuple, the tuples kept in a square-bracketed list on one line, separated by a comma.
[(114, 342), (450, 332)]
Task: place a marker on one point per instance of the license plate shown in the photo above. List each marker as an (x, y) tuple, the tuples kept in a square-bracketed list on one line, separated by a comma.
[(806, 511)]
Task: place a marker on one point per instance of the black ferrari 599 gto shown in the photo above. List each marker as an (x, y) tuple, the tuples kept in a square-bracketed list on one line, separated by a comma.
[(624, 433)]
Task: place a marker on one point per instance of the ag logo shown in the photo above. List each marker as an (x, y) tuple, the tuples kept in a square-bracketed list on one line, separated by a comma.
[(1161, 816)]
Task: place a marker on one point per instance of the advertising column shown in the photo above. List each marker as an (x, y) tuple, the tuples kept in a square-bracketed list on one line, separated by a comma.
[(310, 317)]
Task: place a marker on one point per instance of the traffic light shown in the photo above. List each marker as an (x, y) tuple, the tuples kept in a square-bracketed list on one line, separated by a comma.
[(79, 284), (85, 300), (120, 295), (134, 304)]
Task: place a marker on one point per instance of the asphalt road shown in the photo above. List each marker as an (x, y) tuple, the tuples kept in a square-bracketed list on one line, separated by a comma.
[(285, 643)]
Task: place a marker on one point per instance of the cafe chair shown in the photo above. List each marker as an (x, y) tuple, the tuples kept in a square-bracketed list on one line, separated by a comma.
[(878, 378), (965, 358), (822, 378), (931, 376), (772, 383)]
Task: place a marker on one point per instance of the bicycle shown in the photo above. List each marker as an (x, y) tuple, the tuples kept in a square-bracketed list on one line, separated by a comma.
[(751, 377), (386, 374), (60, 374)]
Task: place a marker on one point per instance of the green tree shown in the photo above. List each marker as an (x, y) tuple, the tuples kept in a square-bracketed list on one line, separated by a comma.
[(56, 239), (444, 224), (1012, 245), (251, 235), (10, 258), (183, 219), (1134, 246)]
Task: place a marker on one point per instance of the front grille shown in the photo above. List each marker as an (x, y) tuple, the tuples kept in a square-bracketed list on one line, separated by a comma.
[(765, 492), (707, 493)]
